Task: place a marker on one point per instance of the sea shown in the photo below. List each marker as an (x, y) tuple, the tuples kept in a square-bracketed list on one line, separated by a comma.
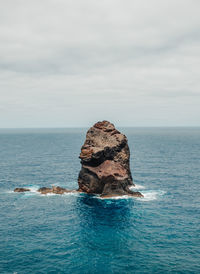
[(79, 233)]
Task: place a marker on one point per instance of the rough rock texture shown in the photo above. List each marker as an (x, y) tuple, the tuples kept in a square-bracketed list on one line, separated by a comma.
[(54, 189), (105, 162), (21, 189)]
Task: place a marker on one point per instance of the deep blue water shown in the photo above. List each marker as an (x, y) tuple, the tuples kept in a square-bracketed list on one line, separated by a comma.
[(76, 233)]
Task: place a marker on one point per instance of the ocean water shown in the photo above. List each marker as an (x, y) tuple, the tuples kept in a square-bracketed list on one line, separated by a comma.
[(76, 233)]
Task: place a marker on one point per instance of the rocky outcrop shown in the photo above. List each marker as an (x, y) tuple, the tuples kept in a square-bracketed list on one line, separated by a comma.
[(46, 190), (105, 163), (54, 190), (105, 159), (21, 189)]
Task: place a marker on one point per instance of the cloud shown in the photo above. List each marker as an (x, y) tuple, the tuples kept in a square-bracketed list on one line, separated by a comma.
[(63, 62)]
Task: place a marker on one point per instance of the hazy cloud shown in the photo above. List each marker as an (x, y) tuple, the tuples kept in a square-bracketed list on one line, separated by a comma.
[(70, 63)]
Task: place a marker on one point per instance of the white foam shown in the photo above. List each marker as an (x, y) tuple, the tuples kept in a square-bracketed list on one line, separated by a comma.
[(149, 195), (9, 191), (72, 193), (47, 194), (136, 187), (152, 195), (33, 189), (114, 197)]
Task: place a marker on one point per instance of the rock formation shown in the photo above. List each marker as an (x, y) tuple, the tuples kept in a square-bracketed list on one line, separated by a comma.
[(105, 162)]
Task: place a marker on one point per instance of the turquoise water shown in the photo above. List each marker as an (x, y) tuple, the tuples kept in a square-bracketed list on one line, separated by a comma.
[(76, 233)]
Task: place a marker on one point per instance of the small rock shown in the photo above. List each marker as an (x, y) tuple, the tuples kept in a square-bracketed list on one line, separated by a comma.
[(21, 189), (45, 190), (54, 189)]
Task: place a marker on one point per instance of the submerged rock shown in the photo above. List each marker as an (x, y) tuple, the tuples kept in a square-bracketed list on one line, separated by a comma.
[(105, 159), (54, 189), (21, 189), (46, 190)]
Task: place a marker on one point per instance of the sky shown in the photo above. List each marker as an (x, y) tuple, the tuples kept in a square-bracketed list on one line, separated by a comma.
[(71, 63)]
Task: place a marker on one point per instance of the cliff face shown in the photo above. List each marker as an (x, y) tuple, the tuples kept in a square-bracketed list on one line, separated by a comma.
[(105, 162)]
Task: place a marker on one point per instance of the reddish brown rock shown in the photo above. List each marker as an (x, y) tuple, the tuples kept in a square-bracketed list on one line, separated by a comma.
[(105, 159), (54, 190), (21, 189)]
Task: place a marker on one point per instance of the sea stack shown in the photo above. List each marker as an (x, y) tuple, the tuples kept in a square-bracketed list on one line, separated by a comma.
[(105, 160)]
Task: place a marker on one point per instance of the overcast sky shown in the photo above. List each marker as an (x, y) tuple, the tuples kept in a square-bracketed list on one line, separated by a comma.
[(70, 63)]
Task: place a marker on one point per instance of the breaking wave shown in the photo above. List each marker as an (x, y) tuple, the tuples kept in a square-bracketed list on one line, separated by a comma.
[(149, 195), (136, 187)]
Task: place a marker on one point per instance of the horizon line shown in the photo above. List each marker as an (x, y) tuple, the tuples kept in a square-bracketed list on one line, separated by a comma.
[(78, 127)]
